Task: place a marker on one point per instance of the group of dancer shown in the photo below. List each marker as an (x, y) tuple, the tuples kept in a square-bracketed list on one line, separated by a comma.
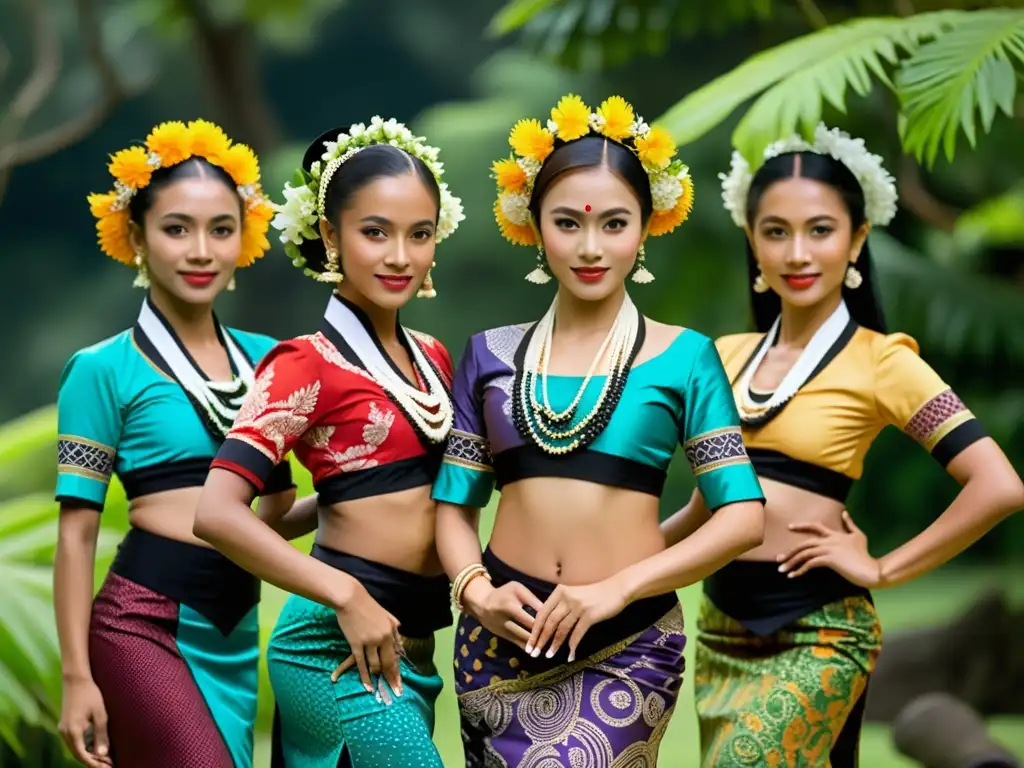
[(569, 636)]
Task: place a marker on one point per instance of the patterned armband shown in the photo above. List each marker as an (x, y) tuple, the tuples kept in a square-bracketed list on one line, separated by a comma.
[(944, 426), (715, 449), (468, 451), (85, 458)]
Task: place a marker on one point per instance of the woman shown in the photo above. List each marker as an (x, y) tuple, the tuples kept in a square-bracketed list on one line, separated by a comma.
[(788, 634), (366, 406), (569, 650), (170, 652)]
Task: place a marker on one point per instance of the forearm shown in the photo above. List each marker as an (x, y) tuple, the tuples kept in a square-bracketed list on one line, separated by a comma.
[(299, 520), (458, 537), (72, 601), (731, 531), (687, 520)]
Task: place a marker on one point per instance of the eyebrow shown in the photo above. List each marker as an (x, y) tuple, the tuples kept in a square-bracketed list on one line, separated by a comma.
[(780, 220), (215, 220), (384, 222), (620, 211)]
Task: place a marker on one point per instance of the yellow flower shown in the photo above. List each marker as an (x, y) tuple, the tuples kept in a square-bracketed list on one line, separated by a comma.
[(208, 140), (254, 241), (131, 166), (572, 117), (530, 139), (100, 204), (241, 164), (518, 234), (261, 211), (663, 222), (112, 233), (657, 149), (509, 175), (618, 117), (171, 141)]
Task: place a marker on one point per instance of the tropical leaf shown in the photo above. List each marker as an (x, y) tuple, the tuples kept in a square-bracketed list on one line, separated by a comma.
[(997, 221), (967, 73), (795, 78)]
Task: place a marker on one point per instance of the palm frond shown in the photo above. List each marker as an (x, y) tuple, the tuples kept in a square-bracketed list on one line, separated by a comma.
[(997, 221), (795, 78), (968, 72)]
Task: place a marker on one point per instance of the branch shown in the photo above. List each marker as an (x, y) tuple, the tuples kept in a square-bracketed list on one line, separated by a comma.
[(916, 198), (812, 13)]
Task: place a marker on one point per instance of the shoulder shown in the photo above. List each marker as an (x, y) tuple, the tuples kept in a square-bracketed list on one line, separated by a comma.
[(103, 357), (733, 344), (501, 342), (429, 344), (255, 345), (885, 345)]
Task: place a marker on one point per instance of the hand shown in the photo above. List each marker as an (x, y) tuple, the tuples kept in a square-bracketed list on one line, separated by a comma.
[(372, 633), (575, 610), (82, 711), (845, 552), (502, 610)]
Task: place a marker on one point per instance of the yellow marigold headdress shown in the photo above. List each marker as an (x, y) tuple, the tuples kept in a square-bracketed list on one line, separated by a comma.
[(169, 144), (572, 119)]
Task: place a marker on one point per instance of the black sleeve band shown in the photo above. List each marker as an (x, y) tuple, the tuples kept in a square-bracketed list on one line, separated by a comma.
[(279, 479), (952, 444)]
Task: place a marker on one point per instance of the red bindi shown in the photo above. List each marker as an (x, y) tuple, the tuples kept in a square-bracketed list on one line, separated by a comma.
[(587, 209)]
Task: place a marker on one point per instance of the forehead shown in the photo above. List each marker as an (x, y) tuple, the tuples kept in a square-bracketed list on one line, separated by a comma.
[(196, 197), (799, 198), (597, 186), (394, 197)]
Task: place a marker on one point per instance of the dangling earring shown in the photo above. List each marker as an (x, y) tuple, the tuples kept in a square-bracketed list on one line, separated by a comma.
[(231, 283), (142, 276), (539, 275), (853, 278), (426, 290), (760, 284), (331, 273), (642, 274)]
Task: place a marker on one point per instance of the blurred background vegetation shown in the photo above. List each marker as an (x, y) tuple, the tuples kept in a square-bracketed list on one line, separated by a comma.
[(932, 86)]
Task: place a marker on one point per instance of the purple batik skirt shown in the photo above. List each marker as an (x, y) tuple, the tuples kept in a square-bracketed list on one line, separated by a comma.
[(609, 707)]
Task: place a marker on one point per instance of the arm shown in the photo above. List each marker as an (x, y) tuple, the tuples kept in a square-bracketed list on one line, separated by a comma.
[(687, 520), (299, 517)]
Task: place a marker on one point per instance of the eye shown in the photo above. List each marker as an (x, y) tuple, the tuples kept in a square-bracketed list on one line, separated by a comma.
[(616, 224), (223, 231), (566, 224), (374, 233), (174, 230), (821, 230), (773, 232), (422, 234)]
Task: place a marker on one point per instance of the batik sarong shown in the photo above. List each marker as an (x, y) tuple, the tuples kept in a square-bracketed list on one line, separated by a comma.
[(320, 724), (788, 695), (174, 649), (609, 708)]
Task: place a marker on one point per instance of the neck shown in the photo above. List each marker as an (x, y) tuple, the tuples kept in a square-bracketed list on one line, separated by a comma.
[(193, 323), (799, 324), (577, 317), (384, 321)]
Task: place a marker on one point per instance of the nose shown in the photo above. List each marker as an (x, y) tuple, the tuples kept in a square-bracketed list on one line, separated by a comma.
[(397, 258), (200, 254), (591, 249), (799, 254)]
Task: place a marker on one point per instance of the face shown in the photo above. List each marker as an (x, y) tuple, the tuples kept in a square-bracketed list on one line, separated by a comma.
[(591, 229), (386, 241), (192, 238), (803, 240)]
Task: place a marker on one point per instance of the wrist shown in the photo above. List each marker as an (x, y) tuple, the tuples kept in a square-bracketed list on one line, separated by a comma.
[(71, 676), (625, 583), (343, 591), (475, 595)]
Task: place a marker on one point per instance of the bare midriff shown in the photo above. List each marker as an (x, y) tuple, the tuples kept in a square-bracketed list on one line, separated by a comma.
[(786, 505)]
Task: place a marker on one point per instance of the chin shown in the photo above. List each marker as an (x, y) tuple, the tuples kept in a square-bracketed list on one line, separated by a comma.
[(387, 300)]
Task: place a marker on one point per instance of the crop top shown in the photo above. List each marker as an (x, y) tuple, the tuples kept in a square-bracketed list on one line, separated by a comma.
[(865, 381), (312, 395), (681, 396)]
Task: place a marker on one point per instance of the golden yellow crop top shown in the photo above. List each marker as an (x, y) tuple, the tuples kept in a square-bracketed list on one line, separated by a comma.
[(866, 381)]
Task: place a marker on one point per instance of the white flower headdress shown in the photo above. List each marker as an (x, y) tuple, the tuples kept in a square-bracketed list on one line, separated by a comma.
[(304, 199), (878, 185)]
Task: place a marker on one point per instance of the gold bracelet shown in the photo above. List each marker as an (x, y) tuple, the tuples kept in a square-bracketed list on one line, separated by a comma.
[(462, 579), (465, 583)]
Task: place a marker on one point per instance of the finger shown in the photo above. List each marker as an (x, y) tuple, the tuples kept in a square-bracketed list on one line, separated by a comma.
[(561, 633), (523, 619), (391, 668), (373, 659), (76, 740), (526, 597), (851, 527), (542, 616), (364, 673), (805, 544), (544, 631), (101, 742), (821, 561), (342, 668), (802, 557), (383, 692), (516, 634), (577, 637), (815, 528)]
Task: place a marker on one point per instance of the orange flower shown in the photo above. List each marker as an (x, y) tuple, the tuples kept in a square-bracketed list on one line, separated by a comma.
[(656, 149), (618, 117), (572, 117), (663, 222), (241, 164), (509, 175), (254, 240), (261, 211), (208, 140), (530, 139), (171, 141), (112, 233), (519, 234), (131, 167), (101, 204)]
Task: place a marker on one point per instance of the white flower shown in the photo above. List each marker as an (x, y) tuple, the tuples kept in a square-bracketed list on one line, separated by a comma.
[(296, 217), (530, 167), (450, 216), (735, 187), (515, 207), (596, 122), (553, 127), (315, 168), (665, 191), (640, 128)]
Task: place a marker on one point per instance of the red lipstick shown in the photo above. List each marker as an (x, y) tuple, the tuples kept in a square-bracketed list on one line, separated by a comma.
[(590, 274), (396, 283), (800, 282), (198, 279)]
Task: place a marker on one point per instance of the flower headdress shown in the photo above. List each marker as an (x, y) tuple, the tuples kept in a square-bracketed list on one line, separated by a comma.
[(572, 119), (878, 185), (305, 198), (167, 145)]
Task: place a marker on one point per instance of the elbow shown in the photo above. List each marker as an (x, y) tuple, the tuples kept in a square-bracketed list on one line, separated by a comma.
[(1011, 498), (752, 528), (205, 525)]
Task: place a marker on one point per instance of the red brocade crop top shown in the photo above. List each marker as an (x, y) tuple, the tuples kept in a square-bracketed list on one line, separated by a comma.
[(343, 427)]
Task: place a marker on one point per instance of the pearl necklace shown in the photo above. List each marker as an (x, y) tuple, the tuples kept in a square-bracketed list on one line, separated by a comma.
[(430, 412)]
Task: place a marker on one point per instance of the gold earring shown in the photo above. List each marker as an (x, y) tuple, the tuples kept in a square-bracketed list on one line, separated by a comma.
[(854, 278), (142, 276), (642, 274), (426, 290), (231, 283), (331, 273), (539, 275), (760, 284)]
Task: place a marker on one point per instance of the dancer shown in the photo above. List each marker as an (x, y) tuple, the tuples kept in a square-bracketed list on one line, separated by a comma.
[(788, 634), (365, 404), (169, 656), (569, 650)]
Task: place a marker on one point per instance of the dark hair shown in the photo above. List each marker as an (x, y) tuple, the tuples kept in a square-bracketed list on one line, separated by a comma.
[(863, 303), (590, 152), (193, 168), (372, 163)]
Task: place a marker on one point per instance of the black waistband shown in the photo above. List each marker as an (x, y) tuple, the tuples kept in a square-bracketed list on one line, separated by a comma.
[(636, 617), (764, 600), (801, 474), (527, 461), (376, 481), (191, 473), (201, 578), (420, 603)]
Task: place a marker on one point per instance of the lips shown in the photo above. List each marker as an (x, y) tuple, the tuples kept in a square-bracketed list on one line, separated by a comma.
[(590, 274), (395, 283), (198, 279), (800, 282)]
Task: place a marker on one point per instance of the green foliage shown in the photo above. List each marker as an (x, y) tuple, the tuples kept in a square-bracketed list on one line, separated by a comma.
[(997, 221)]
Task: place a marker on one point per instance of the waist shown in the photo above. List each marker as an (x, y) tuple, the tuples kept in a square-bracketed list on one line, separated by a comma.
[(167, 476), (196, 576), (526, 461), (378, 480), (764, 600), (634, 618), (777, 466), (420, 603)]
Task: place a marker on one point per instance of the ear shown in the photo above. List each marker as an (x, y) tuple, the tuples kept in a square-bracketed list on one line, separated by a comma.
[(329, 234), (859, 238), (136, 239)]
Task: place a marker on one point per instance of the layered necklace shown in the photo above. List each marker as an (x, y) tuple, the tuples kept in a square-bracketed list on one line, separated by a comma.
[(755, 414), (216, 402), (560, 432), (430, 412)]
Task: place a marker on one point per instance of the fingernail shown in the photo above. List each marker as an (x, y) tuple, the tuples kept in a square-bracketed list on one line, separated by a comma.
[(572, 657), (791, 575), (529, 648), (398, 691), (782, 569), (535, 653), (369, 689), (551, 653), (778, 559)]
